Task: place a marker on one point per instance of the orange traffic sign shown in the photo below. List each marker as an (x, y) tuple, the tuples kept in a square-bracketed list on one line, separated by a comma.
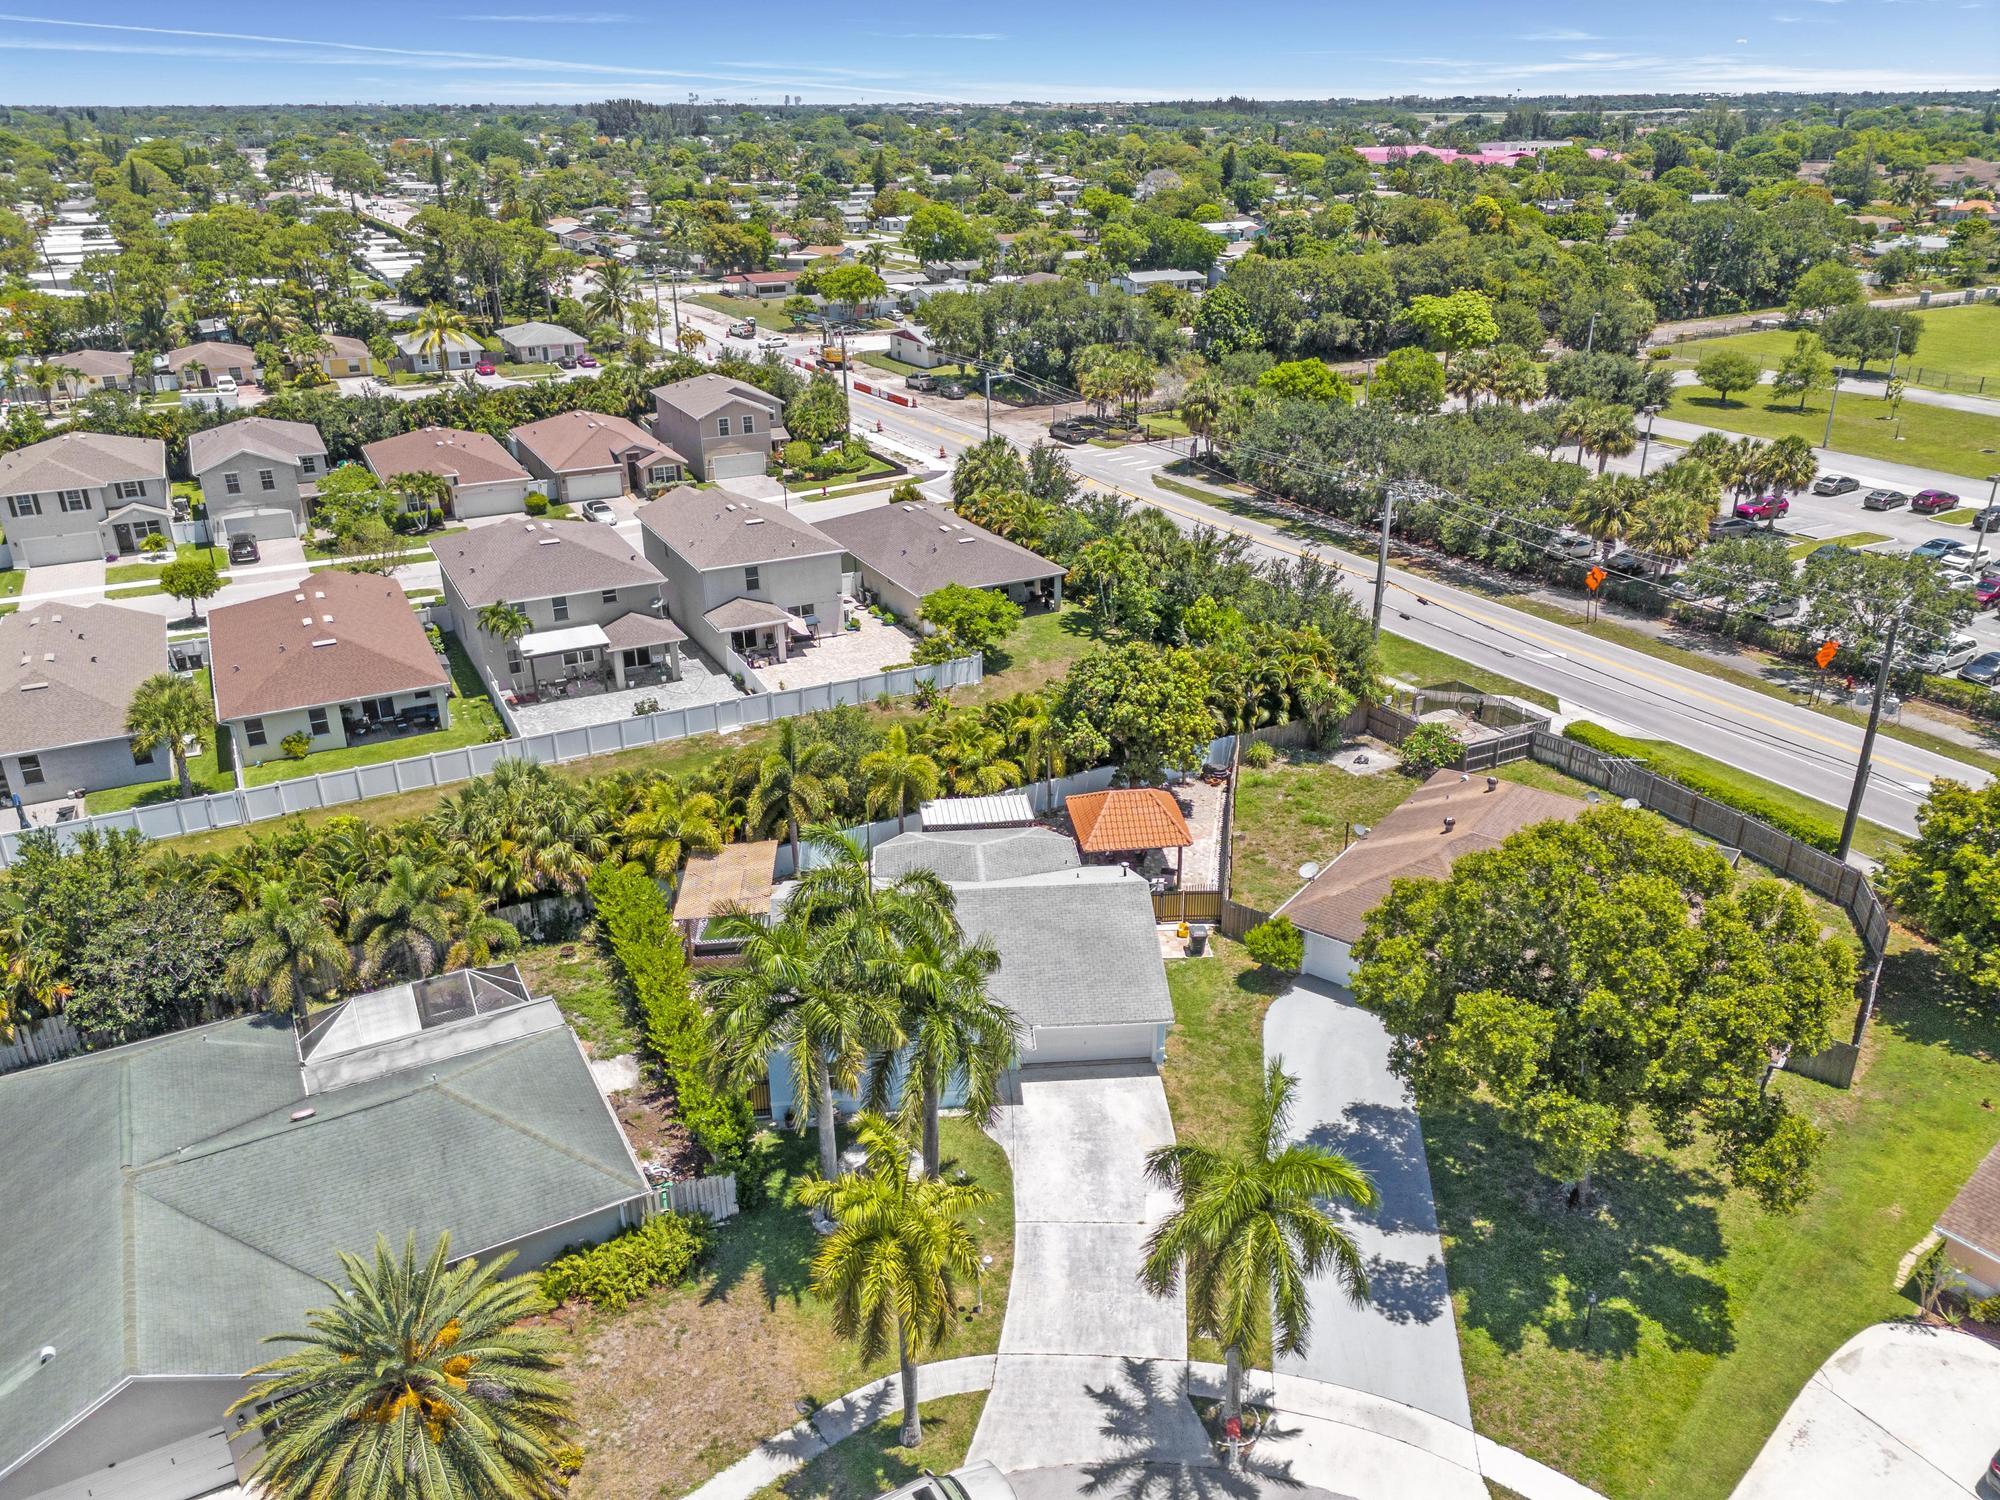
[(1826, 653), (1593, 578)]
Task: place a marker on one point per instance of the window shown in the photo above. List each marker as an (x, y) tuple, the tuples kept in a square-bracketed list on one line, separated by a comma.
[(141, 757), (751, 580), (75, 500), (513, 662), (232, 484), (722, 427), (749, 425), (560, 607), (24, 505), (422, 695), (253, 731), (131, 489), (309, 463), (267, 480), (31, 770), (610, 596), (316, 721)]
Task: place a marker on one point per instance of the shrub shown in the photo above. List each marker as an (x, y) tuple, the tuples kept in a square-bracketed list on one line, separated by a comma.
[(627, 1266), (537, 504), (297, 745), (1429, 748), (1985, 1310), (634, 915), (645, 706), (1277, 944), (1259, 755), (436, 637), (797, 454)]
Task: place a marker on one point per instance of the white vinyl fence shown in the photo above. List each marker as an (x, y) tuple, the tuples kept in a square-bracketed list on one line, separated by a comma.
[(714, 1197), (281, 799)]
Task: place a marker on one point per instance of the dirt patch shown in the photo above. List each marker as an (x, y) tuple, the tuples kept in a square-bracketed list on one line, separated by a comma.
[(646, 1114)]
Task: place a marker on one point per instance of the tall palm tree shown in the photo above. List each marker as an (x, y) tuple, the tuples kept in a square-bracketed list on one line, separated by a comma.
[(1786, 466), (1671, 522), (290, 953), (171, 711), (796, 784), (668, 821), (1607, 507), (1471, 376), (899, 1253), (899, 777), (614, 295), (1248, 1232), (436, 327), (416, 1382), (1517, 379), (1027, 723), (403, 921), (504, 621), (951, 1027)]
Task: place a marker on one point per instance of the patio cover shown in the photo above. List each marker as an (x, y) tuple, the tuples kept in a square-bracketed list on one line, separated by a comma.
[(1000, 810), (566, 638), (745, 614), (642, 629), (797, 626), (1125, 819), (735, 877)]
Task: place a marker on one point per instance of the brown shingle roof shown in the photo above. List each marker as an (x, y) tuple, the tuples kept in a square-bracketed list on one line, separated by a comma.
[(920, 547), (1126, 819), (580, 442), (98, 364), (714, 529), (67, 672), (336, 637), (1412, 842), (213, 355), (521, 560), (468, 457), (1974, 1215)]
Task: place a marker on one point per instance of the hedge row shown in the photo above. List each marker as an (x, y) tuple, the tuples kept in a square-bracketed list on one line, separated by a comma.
[(1807, 829), (633, 915), (627, 1266)]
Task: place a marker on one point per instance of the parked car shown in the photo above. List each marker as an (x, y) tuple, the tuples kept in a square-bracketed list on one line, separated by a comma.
[(1930, 502), (586, 361), (1983, 669), (1986, 592), (1573, 545), (1835, 484), (772, 341), (979, 1480), (1948, 657), (242, 550), (951, 390), (1938, 547), (1072, 429), (922, 380), (485, 367), (1988, 519), (747, 329), (1769, 605), (1884, 499), (1764, 507), (599, 510), (1722, 527), (566, 362)]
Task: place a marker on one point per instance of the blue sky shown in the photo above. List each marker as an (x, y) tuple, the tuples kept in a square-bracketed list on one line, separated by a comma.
[(455, 51)]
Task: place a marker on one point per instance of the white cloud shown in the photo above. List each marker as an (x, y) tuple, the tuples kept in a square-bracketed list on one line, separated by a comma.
[(1561, 34), (942, 36)]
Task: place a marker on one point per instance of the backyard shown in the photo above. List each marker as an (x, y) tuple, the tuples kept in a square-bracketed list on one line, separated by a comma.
[(208, 774), (1932, 437), (1040, 650), (1298, 809)]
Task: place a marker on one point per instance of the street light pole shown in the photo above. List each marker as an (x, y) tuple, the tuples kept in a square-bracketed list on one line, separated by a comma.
[(1382, 557), (1832, 401), (1647, 446), (1590, 338), (1868, 741), (1979, 522), (989, 405)]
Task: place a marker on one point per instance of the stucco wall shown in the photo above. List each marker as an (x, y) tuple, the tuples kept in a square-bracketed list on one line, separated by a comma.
[(95, 766)]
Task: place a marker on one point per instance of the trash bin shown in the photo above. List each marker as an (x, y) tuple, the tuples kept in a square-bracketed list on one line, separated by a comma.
[(1197, 940)]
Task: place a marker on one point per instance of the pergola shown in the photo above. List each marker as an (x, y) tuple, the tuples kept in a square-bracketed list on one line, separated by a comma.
[(737, 877)]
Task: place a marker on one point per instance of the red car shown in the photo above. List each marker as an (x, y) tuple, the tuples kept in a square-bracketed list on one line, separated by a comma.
[(484, 367), (1764, 508), (1930, 502), (585, 362), (1987, 591)]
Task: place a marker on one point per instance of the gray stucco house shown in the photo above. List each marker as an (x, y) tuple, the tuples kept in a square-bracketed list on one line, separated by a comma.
[(67, 674), (258, 476), (83, 495), (541, 343), (725, 428), (460, 352), (743, 575), (905, 550), (485, 479), (174, 1201)]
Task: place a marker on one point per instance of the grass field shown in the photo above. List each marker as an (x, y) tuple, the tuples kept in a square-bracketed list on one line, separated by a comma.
[(770, 315), (1422, 666), (1299, 809), (1041, 649), (11, 581), (149, 572), (578, 977), (1959, 345), (1933, 437)]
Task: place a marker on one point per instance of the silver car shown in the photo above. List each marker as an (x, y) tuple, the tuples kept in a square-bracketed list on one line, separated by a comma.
[(976, 1481)]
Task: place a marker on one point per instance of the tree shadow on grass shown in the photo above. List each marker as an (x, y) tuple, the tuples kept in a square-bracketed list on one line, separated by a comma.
[(1521, 1263), (774, 1242), (1920, 1003)]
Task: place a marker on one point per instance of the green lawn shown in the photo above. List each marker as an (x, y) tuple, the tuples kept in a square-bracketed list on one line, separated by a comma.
[(208, 775), (1040, 650), (1711, 1314), (1959, 346), (578, 977), (11, 580), (149, 572), (882, 361), (1424, 666), (1933, 437), (1163, 424), (770, 315), (1297, 809), (1846, 539), (873, 467), (873, 1461)]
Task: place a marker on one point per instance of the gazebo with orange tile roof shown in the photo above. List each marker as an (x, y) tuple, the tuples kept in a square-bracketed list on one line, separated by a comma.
[(1129, 820)]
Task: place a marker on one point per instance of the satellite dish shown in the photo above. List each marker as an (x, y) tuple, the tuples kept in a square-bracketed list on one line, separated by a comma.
[(1631, 804), (1308, 871)]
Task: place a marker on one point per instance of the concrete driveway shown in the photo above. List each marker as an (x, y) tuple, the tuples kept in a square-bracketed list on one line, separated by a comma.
[(1898, 1413), (63, 580), (1402, 1343), (1091, 1369)]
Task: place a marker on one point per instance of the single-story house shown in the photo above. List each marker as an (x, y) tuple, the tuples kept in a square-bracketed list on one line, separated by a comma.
[(743, 576), (1971, 1228), (726, 428), (173, 1202), (485, 479), (1136, 282), (541, 343), (1447, 816), (83, 495), (67, 675), (914, 347), (460, 351), (96, 369), (586, 455), (258, 476), (905, 550), (344, 357), (341, 657), (764, 285), (214, 360)]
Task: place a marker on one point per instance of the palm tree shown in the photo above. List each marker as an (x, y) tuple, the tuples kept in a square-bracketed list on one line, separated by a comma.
[(171, 711), (504, 621), (971, 758), (1248, 1232), (477, 935), (1471, 376), (899, 777), (952, 1029), (1517, 379), (403, 921), (290, 952), (265, 316), (796, 783), (613, 297), (1202, 406), (690, 340), (898, 1255), (416, 1382), (1672, 522), (1027, 723), (1786, 466), (669, 821), (436, 328), (1607, 507)]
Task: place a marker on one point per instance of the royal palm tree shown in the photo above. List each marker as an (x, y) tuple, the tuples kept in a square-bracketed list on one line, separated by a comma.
[(667, 822), (171, 711), (952, 1028), (900, 778), (417, 1381), (1249, 1231), (403, 921), (899, 1253), (796, 784), (290, 953)]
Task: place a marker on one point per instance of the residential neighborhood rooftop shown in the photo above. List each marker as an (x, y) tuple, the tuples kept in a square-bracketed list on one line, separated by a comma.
[(466, 457), (1123, 820), (698, 395), (735, 877), (520, 559), (581, 442), (337, 637), (80, 459), (260, 437), (714, 529), (68, 671), (921, 546)]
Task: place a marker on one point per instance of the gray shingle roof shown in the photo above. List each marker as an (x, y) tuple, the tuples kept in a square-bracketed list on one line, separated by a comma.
[(714, 529), (100, 655), (1074, 951), (741, 613), (983, 854), (81, 460), (521, 560), (166, 1213), (538, 333), (919, 546), (699, 395), (262, 437)]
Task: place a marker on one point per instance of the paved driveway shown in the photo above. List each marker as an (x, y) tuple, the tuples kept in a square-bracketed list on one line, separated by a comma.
[(63, 579), (1091, 1369), (1898, 1413), (1402, 1343)]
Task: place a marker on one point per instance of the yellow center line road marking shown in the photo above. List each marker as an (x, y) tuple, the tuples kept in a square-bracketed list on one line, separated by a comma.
[(1511, 627)]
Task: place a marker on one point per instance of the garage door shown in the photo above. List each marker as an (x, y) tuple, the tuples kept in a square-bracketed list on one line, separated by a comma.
[(264, 525), (1072, 1044), (45, 551), (179, 1471), (1329, 959), (735, 465)]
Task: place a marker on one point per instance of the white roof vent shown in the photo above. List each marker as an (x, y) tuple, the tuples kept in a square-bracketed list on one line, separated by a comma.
[(305, 619), (319, 593), (326, 619), (754, 521), (547, 541), (298, 598), (325, 641)]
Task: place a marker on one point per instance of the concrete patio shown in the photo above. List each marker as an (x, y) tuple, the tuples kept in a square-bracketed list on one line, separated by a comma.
[(875, 647), (699, 683)]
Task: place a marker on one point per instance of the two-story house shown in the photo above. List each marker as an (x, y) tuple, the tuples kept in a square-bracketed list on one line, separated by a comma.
[(541, 343), (258, 476), (725, 428), (83, 495), (338, 658), (485, 479), (67, 675), (459, 351), (743, 575), (586, 455), (594, 608)]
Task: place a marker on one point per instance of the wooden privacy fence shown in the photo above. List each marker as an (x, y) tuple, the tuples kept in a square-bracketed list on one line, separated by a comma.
[(1187, 906), (39, 1042), (712, 1197)]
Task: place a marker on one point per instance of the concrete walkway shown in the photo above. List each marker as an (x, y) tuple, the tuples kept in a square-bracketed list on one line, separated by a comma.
[(1401, 1344)]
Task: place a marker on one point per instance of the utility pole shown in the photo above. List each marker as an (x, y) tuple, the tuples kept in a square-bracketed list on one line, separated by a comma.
[(1868, 741), (1895, 349), (1590, 338), (1382, 557), (1832, 401), (989, 406), (1647, 447)]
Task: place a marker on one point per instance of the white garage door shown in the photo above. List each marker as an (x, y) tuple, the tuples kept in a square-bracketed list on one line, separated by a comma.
[(45, 551), (735, 465), (1072, 1044), (265, 525), (179, 1471), (1329, 959)]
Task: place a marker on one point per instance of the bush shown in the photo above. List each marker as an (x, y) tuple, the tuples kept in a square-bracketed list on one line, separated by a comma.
[(1966, 697), (797, 454), (537, 504), (297, 745), (1986, 1310), (1277, 944), (1259, 755), (153, 544), (634, 915), (1429, 748), (627, 1266), (1821, 833)]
